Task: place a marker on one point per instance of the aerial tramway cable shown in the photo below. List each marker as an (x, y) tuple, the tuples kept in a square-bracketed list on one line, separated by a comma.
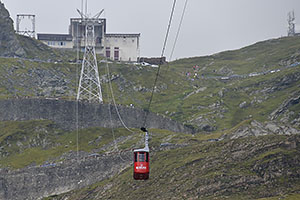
[(112, 94), (159, 66), (114, 101), (110, 117), (116, 148), (141, 167), (179, 28)]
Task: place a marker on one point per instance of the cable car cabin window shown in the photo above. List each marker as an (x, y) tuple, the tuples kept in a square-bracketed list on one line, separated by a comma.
[(135, 157), (141, 157)]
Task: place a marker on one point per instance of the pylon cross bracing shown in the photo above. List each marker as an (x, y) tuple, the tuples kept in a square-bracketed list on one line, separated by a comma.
[(89, 84)]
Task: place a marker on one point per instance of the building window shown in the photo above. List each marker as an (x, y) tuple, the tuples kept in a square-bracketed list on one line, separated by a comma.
[(107, 52), (116, 53), (51, 43)]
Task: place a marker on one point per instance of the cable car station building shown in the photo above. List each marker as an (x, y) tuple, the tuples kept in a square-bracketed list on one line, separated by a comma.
[(118, 47)]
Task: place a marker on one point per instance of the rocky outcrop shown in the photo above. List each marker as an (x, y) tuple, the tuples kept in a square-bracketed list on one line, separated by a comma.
[(284, 106), (65, 113), (9, 44), (56, 178), (245, 168), (22, 79), (255, 128)]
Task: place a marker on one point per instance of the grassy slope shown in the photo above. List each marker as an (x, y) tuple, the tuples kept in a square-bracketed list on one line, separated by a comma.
[(35, 49), (17, 77), (208, 170), (174, 87), (42, 141), (175, 96), (261, 57), (34, 142), (179, 173)]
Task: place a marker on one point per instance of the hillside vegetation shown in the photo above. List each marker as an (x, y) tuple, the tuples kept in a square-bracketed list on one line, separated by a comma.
[(244, 103), (222, 91), (232, 94), (227, 91), (248, 168)]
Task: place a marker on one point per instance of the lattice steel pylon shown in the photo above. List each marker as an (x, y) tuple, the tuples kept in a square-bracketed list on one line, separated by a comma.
[(89, 84)]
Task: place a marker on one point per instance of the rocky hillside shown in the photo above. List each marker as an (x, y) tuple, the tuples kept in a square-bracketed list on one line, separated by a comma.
[(210, 96), (71, 115), (14, 45), (212, 93), (245, 104), (183, 166), (245, 168), (9, 43)]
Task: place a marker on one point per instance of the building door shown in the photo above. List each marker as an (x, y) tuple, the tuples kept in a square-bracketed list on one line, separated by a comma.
[(116, 55)]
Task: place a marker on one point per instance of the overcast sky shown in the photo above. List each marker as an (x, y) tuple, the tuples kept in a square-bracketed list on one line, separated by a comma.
[(209, 26)]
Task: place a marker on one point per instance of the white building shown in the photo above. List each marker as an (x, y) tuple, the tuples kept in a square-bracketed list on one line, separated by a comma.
[(118, 47), (57, 40), (123, 47)]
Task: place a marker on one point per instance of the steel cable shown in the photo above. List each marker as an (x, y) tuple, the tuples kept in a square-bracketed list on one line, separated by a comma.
[(179, 28), (159, 66)]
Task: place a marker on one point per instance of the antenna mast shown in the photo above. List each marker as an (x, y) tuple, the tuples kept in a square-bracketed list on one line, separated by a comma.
[(291, 22), (89, 84)]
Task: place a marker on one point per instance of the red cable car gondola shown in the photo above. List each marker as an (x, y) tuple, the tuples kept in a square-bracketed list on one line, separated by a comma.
[(141, 161), (141, 165)]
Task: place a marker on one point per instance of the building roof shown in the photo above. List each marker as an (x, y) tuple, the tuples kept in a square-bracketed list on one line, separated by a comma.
[(55, 37), (122, 35)]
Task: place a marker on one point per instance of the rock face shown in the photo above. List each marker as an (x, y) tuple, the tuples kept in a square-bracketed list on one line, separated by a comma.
[(245, 168), (256, 128), (9, 44), (47, 180), (284, 106), (64, 114)]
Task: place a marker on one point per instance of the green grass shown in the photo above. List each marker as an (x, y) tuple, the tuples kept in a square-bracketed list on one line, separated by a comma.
[(284, 197), (171, 98), (180, 173), (175, 172), (34, 142), (35, 49)]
